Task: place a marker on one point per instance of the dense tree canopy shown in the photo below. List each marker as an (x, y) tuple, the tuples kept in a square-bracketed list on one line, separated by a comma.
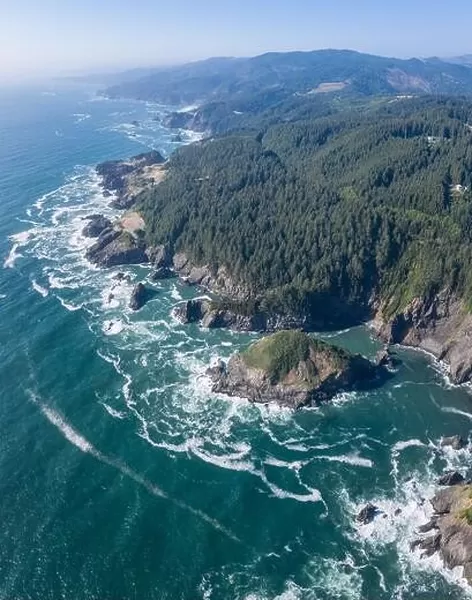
[(354, 205)]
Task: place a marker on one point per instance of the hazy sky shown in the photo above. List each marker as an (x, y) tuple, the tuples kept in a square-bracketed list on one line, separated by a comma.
[(50, 36)]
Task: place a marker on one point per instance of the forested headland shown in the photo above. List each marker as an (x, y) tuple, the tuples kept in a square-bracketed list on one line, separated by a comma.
[(364, 205)]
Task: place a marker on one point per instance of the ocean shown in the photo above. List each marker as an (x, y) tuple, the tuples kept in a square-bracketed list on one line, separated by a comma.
[(121, 475)]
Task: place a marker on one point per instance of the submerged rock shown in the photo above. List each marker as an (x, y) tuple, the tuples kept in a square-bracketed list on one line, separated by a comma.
[(291, 369), (367, 514), (456, 442), (139, 296)]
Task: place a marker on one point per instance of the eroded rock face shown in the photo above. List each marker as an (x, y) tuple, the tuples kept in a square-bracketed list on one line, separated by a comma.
[(209, 315), (192, 311), (159, 256), (321, 373), (440, 325), (452, 523), (115, 247), (162, 273), (451, 478)]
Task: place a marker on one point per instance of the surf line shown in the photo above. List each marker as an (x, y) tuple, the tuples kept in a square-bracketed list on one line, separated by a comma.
[(77, 440)]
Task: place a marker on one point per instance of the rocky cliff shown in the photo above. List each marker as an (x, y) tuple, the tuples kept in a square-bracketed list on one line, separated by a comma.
[(440, 325), (127, 178), (450, 530), (292, 369)]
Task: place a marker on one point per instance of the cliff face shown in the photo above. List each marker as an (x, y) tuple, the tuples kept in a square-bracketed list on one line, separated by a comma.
[(291, 369), (439, 325), (450, 529)]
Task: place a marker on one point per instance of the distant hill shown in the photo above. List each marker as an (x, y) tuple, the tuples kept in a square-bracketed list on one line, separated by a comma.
[(465, 60), (317, 73)]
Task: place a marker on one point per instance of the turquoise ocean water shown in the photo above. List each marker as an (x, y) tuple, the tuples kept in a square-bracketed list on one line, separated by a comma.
[(121, 475)]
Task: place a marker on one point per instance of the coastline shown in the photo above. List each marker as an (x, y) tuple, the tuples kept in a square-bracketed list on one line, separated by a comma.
[(442, 365)]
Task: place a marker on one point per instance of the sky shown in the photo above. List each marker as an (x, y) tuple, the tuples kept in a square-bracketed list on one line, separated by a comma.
[(39, 37)]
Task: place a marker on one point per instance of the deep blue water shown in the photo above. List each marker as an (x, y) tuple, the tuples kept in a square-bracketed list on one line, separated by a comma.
[(121, 475)]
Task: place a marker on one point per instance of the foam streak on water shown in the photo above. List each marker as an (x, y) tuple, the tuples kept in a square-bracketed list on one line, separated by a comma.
[(80, 442)]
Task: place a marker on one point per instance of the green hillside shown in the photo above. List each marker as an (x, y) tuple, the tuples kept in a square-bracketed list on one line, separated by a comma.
[(329, 213)]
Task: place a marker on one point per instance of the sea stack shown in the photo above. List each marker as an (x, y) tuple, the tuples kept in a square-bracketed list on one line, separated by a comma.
[(292, 369)]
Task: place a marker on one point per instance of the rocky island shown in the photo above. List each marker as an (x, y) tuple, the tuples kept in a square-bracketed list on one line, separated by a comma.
[(291, 369)]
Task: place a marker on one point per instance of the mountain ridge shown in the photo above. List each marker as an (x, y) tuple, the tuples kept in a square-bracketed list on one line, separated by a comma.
[(298, 71)]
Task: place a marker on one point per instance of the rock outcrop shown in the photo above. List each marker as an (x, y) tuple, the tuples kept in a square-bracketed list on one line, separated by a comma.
[(367, 514), (117, 247), (127, 178), (213, 315), (179, 120), (160, 256), (139, 295), (452, 523), (291, 369), (96, 225), (192, 311), (440, 325), (162, 273)]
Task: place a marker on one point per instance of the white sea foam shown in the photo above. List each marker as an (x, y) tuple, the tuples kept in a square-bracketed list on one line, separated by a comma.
[(80, 442), (343, 398), (403, 512), (40, 289), (291, 592), (349, 459), (79, 117), (113, 327), (116, 414), (21, 238), (456, 411), (68, 306), (401, 445), (12, 257), (337, 579), (175, 294)]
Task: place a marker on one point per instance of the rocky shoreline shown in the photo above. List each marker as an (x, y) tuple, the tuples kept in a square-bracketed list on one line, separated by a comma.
[(292, 369), (439, 325), (448, 532)]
